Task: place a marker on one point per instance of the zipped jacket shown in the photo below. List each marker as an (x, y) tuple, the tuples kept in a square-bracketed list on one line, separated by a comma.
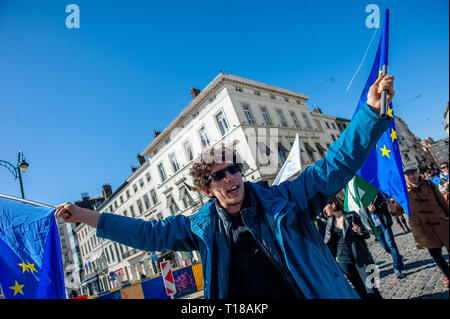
[(284, 221), (356, 242)]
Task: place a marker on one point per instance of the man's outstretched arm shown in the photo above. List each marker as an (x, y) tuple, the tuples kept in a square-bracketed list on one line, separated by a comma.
[(171, 233), (344, 157)]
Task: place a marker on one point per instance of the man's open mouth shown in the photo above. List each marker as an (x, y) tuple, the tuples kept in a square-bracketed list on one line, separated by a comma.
[(233, 190)]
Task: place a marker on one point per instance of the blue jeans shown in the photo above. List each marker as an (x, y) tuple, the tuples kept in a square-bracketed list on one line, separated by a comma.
[(387, 241)]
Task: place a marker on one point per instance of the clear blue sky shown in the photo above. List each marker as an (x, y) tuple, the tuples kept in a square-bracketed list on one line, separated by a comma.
[(81, 103)]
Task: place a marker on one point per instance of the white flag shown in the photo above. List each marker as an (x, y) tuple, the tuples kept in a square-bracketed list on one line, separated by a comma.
[(292, 165)]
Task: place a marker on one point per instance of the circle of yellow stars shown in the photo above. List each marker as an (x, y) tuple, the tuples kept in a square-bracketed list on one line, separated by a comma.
[(28, 267)]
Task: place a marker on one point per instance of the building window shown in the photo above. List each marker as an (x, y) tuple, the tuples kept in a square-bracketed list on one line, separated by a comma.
[(332, 124), (212, 99), (153, 195), (135, 188), (222, 122), (328, 125), (107, 256), (257, 93), (319, 125), (239, 90), (283, 152), (132, 214), (321, 150), (333, 137), (308, 124), (407, 157), (266, 116), (174, 162), (204, 137), (112, 253), (141, 182), (273, 97), (140, 207), (146, 202), (248, 114), (127, 192), (309, 151), (148, 177), (125, 213), (119, 259), (187, 199), (162, 172), (281, 117), (295, 119), (188, 150), (172, 205)]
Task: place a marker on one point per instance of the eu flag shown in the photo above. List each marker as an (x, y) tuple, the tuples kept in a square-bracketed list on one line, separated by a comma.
[(383, 167), (30, 253)]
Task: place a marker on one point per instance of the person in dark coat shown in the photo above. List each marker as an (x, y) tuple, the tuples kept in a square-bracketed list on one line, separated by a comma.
[(345, 237)]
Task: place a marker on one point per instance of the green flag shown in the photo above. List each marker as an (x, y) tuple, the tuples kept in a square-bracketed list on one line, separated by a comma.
[(358, 195)]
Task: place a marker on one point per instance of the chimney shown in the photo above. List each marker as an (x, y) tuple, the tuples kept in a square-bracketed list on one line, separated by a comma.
[(195, 92), (107, 191), (156, 133), (140, 159)]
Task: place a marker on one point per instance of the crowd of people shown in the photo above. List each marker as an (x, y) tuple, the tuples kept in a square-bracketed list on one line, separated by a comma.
[(345, 235)]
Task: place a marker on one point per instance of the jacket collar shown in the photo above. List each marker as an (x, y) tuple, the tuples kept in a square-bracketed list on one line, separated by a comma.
[(347, 223), (249, 203)]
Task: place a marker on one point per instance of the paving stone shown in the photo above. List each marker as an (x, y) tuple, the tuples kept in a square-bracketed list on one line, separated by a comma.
[(423, 278)]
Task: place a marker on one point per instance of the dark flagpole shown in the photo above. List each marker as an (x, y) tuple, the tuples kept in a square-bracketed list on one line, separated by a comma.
[(384, 60)]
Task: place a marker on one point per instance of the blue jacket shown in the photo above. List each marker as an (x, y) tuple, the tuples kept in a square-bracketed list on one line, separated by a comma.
[(283, 222)]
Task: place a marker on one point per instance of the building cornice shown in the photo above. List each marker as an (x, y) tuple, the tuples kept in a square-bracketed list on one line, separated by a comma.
[(212, 87)]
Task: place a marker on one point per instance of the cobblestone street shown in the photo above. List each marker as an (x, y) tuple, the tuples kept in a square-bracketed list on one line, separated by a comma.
[(423, 278)]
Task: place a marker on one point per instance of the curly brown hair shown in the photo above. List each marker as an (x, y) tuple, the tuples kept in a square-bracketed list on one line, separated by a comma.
[(202, 166)]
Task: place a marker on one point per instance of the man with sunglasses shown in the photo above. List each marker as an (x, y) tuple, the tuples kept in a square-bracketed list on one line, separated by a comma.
[(257, 241)]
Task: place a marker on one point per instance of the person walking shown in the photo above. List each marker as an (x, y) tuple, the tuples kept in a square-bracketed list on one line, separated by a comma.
[(382, 219), (257, 241), (398, 213), (443, 186), (429, 218), (345, 236)]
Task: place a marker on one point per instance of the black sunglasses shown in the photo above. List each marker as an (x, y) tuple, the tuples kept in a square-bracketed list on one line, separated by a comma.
[(217, 176)]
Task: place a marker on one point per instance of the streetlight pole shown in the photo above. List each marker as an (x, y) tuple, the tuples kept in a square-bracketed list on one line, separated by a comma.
[(22, 166)]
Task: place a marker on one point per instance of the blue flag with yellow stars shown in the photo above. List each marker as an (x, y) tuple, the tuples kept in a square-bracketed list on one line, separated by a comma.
[(383, 167), (30, 253)]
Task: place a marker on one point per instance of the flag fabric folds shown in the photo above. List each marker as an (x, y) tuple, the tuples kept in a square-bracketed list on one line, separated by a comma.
[(30, 253), (358, 195), (191, 188), (383, 167), (292, 165)]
